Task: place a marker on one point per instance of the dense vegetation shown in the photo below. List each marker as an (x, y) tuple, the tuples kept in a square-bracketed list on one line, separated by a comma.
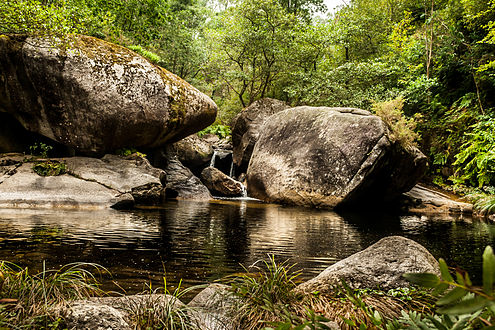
[(434, 59)]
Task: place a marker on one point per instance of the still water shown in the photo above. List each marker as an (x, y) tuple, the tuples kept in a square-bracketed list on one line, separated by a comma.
[(203, 241)]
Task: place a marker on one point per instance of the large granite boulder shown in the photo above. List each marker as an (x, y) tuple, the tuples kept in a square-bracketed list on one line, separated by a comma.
[(379, 266), (246, 129), (181, 183), (324, 157), (89, 183), (220, 184), (95, 96), (194, 152)]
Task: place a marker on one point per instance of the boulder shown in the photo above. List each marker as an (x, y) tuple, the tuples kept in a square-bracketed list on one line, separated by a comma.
[(95, 96), (325, 157), (117, 312), (194, 152), (214, 308), (246, 129), (183, 184), (221, 184), (111, 181), (379, 266)]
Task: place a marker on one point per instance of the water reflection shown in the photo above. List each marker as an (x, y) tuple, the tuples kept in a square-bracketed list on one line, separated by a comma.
[(201, 242)]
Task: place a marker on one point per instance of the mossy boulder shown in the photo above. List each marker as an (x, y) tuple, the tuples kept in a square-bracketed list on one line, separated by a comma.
[(95, 96), (327, 157)]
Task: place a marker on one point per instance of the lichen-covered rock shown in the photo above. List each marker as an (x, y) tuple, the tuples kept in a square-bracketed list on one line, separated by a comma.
[(246, 129), (95, 96), (221, 184), (323, 157), (379, 266)]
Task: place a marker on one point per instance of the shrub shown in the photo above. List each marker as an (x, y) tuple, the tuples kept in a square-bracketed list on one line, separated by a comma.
[(40, 149), (401, 128), (475, 162), (49, 168), (222, 131)]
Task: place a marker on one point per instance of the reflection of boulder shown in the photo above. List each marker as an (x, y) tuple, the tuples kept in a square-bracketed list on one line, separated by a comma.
[(379, 266), (96, 96), (324, 157), (246, 129)]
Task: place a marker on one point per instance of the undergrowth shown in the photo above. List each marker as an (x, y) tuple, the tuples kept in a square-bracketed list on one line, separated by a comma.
[(32, 300)]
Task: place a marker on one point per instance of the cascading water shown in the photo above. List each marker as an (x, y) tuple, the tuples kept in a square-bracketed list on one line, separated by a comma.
[(219, 161)]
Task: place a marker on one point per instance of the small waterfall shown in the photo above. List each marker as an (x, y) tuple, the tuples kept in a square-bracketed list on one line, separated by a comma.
[(244, 191), (212, 161)]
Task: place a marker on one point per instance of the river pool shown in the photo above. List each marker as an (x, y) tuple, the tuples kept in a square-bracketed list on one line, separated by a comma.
[(200, 242)]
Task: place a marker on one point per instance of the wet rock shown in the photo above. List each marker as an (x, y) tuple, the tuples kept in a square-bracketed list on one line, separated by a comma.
[(213, 308), (325, 157), (380, 265), (95, 96), (246, 129), (425, 200), (221, 184)]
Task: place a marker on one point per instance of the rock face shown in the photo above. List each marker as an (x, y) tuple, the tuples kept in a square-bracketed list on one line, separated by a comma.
[(221, 184), (91, 183), (95, 96), (194, 153), (425, 200), (324, 157), (183, 184), (246, 129), (380, 265)]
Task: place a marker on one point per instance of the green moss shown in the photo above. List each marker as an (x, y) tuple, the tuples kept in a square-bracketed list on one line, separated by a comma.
[(49, 168)]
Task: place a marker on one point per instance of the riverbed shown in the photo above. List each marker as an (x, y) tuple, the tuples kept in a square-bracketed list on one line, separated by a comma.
[(201, 242)]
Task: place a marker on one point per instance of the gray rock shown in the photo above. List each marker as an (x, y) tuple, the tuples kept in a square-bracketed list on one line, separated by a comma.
[(26, 189), (221, 184), (246, 129), (181, 183), (324, 157), (380, 265), (194, 152), (213, 308), (117, 312), (93, 315), (128, 175), (426, 200), (95, 96)]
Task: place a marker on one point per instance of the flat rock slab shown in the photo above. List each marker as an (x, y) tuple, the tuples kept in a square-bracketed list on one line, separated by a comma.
[(379, 266), (426, 200), (111, 181), (26, 189)]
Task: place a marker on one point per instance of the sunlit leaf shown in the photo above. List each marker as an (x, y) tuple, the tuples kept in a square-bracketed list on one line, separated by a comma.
[(426, 280)]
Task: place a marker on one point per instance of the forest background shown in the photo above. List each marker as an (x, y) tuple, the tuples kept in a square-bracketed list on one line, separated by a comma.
[(426, 66)]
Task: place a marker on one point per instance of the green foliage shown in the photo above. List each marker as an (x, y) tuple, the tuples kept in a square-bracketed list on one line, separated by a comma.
[(475, 163), (222, 131), (311, 321), (461, 305), (53, 18), (40, 149), (484, 201), (26, 299), (49, 168), (401, 128), (125, 152), (154, 58)]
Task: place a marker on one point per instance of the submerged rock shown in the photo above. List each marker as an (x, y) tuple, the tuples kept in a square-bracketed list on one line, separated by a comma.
[(95, 96), (246, 128), (379, 266), (221, 184), (324, 157)]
